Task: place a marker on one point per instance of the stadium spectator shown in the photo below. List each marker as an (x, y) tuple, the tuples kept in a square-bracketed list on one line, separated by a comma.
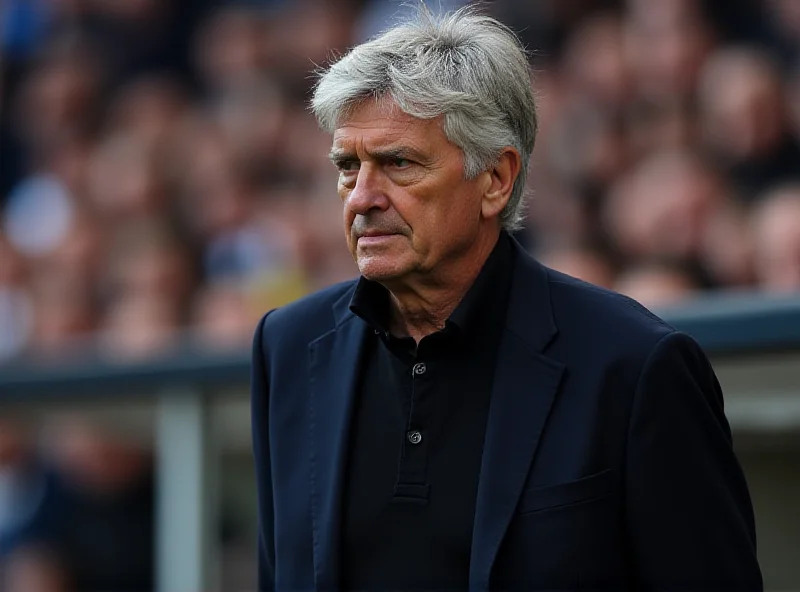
[(776, 229), (663, 207), (587, 264), (92, 529), (745, 121), (666, 45), (34, 569), (657, 284), (21, 481)]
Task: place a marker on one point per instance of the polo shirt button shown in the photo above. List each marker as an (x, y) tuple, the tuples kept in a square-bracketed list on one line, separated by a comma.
[(419, 369), (414, 437)]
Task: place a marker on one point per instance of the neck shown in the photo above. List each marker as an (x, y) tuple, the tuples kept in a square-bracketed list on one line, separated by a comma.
[(419, 310)]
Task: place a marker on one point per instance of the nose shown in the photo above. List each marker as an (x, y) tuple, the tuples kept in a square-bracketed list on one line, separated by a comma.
[(369, 192)]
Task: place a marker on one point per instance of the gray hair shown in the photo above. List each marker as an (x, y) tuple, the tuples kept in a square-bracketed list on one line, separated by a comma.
[(463, 65)]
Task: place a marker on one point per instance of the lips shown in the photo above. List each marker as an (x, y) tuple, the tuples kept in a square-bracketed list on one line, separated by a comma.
[(373, 238)]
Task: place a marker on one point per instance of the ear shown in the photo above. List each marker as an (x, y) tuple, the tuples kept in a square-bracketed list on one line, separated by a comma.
[(501, 182)]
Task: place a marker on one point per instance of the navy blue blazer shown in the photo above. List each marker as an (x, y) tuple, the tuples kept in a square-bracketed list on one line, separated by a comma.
[(607, 459)]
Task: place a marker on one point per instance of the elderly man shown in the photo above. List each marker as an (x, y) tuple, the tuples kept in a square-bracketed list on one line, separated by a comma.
[(462, 417)]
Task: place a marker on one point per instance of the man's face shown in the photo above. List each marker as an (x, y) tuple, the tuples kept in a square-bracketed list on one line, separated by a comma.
[(408, 210)]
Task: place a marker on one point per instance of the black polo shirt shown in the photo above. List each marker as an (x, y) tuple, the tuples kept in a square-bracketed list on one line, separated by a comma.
[(415, 451)]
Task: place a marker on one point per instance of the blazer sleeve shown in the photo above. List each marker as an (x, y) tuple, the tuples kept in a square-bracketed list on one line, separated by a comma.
[(259, 402), (689, 515)]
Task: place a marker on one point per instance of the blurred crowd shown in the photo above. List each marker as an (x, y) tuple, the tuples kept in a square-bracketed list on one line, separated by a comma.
[(162, 177), (76, 508), (162, 182)]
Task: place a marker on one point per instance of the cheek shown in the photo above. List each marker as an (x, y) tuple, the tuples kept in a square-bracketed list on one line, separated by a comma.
[(347, 219), (461, 211), (347, 223), (440, 225)]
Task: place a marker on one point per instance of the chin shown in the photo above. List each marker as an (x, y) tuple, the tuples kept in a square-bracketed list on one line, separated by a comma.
[(381, 271)]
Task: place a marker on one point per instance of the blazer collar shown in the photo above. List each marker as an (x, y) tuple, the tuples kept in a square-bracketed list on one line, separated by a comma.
[(525, 385), (341, 306), (334, 360), (530, 313)]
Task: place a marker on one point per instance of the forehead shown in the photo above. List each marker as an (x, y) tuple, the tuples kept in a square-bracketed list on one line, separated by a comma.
[(379, 124)]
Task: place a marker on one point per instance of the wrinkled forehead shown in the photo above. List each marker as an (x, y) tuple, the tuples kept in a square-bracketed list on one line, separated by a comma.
[(380, 121), (381, 108)]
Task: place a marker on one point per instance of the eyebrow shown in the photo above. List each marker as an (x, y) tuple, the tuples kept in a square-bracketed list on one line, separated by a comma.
[(399, 152)]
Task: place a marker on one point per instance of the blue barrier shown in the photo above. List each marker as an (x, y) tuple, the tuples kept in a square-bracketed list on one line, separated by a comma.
[(724, 324)]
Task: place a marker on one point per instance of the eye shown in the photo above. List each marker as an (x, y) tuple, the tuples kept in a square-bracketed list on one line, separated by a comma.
[(347, 164), (400, 162)]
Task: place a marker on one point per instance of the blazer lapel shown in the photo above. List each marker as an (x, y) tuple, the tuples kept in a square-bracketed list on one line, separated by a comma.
[(333, 368), (524, 388)]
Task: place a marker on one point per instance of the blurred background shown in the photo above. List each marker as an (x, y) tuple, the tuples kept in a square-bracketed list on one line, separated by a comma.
[(163, 184)]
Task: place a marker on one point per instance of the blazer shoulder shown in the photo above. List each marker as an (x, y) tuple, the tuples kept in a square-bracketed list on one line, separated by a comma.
[(592, 309), (308, 316)]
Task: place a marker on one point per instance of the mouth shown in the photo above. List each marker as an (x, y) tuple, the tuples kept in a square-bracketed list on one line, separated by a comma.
[(375, 237)]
